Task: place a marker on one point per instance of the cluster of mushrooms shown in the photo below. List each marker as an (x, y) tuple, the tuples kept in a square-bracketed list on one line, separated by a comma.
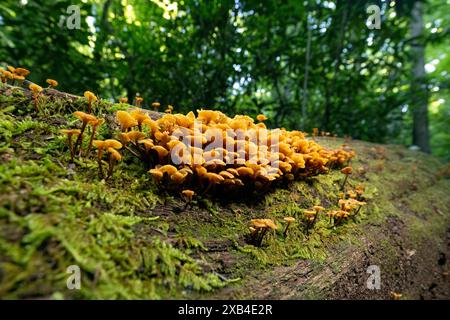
[(205, 152)]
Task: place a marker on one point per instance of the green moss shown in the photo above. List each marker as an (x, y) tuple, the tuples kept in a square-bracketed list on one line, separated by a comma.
[(132, 240)]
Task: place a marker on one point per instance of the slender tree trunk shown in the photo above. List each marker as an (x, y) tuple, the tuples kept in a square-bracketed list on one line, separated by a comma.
[(419, 91), (305, 78)]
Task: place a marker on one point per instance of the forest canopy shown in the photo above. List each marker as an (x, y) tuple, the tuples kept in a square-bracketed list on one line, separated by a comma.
[(303, 64)]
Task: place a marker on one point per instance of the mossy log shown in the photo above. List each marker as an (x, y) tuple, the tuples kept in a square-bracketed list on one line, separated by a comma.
[(132, 239)]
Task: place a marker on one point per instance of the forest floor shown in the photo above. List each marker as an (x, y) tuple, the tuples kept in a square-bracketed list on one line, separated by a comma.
[(131, 239)]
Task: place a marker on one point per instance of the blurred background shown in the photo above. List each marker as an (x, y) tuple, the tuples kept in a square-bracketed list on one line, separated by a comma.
[(304, 64)]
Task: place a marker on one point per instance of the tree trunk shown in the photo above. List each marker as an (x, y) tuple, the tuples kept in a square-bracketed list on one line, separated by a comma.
[(419, 90)]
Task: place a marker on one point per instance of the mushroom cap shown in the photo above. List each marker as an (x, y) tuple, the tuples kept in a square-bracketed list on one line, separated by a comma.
[(156, 104), (140, 116), (162, 152), (152, 124), (289, 219), (346, 170), (270, 224), (261, 117), (52, 82), (169, 169), (35, 88), (188, 193), (318, 208), (157, 174), (148, 143), (22, 72), (226, 174), (85, 117), (112, 143), (123, 100), (214, 177), (179, 177), (99, 144), (245, 171), (96, 122), (11, 69), (125, 120), (90, 96), (70, 132), (258, 223), (18, 77), (309, 213), (115, 154), (135, 135), (139, 99)]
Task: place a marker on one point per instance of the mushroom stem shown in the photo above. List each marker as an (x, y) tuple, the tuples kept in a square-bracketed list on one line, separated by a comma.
[(80, 139), (69, 138), (99, 159), (89, 106), (94, 128), (132, 152), (286, 229), (261, 236), (111, 166), (345, 180)]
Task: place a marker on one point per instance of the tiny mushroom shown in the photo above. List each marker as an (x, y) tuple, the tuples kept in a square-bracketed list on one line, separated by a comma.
[(139, 101), (52, 83), (91, 98), (70, 133), (261, 118), (187, 195), (289, 221), (85, 118), (123, 100), (126, 120), (95, 124), (347, 171), (36, 90), (156, 105)]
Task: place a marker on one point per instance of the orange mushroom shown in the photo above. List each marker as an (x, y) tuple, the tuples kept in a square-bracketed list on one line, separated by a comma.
[(36, 90), (91, 98)]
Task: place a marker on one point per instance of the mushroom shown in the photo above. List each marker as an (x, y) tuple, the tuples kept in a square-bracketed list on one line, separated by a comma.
[(347, 171), (310, 218), (140, 117), (125, 120), (22, 72), (396, 296), (169, 109), (157, 174), (52, 83), (123, 100), (289, 221), (19, 78), (187, 196), (94, 123), (261, 226), (85, 118), (91, 98), (106, 145), (317, 209), (156, 105), (70, 133), (36, 90), (261, 118), (114, 156), (139, 101)]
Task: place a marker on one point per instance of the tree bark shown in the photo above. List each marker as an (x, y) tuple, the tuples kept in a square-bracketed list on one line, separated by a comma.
[(419, 90)]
